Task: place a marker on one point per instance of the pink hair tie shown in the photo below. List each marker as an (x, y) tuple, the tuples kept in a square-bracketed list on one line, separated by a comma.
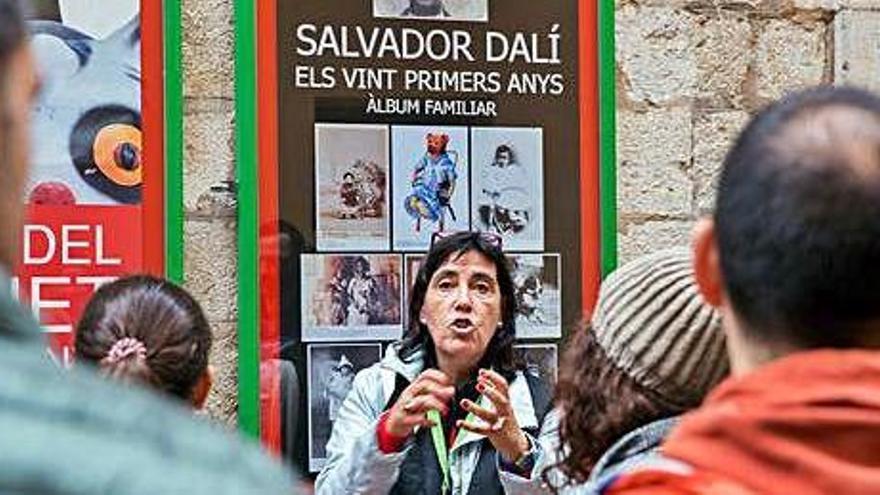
[(125, 348)]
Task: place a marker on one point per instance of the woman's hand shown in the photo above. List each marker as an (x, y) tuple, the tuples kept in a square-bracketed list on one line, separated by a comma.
[(500, 425), (432, 390)]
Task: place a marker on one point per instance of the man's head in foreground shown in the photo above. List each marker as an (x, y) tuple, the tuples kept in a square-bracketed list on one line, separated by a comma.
[(792, 255), (18, 87)]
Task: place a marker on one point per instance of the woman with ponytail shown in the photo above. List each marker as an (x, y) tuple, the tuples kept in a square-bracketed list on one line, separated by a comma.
[(146, 330)]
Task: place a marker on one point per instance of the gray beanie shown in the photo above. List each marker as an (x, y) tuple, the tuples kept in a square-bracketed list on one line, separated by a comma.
[(654, 325)]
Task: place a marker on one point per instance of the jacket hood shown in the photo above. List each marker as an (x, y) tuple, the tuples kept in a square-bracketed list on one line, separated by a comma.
[(806, 424)]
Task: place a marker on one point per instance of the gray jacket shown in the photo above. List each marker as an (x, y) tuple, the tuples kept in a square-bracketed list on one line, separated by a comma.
[(74, 433), (631, 450), (355, 465)]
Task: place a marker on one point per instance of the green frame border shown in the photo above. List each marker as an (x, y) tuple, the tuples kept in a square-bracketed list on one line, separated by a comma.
[(607, 137), (247, 171), (172, 40)]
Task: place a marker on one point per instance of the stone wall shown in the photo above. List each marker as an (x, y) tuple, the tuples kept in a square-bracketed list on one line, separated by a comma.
[(689, 73), (210, 262)]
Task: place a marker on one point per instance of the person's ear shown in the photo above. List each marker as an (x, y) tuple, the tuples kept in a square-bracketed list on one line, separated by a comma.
[(203, 388), (707, 262)]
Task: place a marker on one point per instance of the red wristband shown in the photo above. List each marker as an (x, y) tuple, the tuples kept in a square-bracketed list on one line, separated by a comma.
[(388, 442)]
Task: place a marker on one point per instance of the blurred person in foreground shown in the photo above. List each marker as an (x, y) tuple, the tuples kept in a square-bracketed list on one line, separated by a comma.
[(791, 260), (73, 432), (448, 410)]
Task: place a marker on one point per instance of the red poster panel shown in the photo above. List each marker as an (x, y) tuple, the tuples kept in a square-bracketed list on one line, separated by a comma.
[(95, 196), (355, 102)]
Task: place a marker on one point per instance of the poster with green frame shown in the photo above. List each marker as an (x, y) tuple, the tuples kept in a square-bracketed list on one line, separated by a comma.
[(338, 103), (104, 195)]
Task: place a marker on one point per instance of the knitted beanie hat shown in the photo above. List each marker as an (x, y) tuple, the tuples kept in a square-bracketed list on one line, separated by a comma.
[(652, 323)]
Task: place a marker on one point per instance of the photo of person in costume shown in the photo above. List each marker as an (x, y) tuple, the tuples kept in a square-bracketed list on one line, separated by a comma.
[(538, 280), (337, 385), (351, 296), (541, 360), (331, 372), (508, 185), (431, 194), (351, 173), (450, 10)]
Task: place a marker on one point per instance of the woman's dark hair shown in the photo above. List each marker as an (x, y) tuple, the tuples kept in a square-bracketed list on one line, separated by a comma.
[(499, 353), (599, 403), (148, 330)]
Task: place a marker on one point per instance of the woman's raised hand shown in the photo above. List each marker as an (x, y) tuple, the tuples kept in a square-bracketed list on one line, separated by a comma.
[(432, 390), (498, 425)]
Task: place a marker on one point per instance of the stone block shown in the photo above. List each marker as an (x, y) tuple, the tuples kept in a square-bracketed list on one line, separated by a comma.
[(829, 5), (222, 405), (211, 266), (208, 48), (655, 189), (723, 50), (655, 53), (790, 56), (654, 136), (714, 134), (857, 49), (859, 4), (654, 148), (209, 155), (636, 239)]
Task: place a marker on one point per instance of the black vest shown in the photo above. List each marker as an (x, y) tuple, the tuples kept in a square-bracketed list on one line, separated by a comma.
[(420, 472)]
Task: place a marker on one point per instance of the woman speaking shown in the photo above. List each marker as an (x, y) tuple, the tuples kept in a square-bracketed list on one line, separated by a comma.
[(447, 410)]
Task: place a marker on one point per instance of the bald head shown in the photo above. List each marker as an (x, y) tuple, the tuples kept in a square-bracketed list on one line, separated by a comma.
[(798, 221)]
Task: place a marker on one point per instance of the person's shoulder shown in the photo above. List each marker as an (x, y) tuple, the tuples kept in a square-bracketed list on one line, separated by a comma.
[(74, 432), (663, 480)]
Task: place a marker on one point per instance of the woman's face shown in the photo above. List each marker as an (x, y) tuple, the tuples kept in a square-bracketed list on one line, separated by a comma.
[(462, 307)]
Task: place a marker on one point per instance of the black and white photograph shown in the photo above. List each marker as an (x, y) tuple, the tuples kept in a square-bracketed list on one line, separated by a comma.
[(538, 286), (430, 183), (351, 297), (413, 263), (541, 360), (508, 185), (438, 10), (332, 368), (351, 173)]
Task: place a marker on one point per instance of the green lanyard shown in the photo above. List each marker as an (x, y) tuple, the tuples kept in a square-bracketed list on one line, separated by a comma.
[(439, 440), (440, 448)]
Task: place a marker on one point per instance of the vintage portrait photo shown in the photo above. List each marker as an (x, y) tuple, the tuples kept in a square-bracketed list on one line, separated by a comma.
[(440, 10), (331, 371), (508, 185), (351, 297), (538, 285), (412, 262), (430, 183), (351, 174), (541, 360)]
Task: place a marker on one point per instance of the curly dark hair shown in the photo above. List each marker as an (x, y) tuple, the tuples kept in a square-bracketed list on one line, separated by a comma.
[(499, 353), (599, 404)]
